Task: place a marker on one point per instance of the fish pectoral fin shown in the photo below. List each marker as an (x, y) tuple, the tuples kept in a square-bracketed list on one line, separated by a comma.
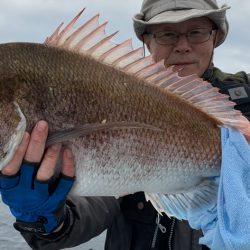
[(182, 205), (87, 129)]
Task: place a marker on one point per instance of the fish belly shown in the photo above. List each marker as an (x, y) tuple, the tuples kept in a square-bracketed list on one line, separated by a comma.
[(127, 161)]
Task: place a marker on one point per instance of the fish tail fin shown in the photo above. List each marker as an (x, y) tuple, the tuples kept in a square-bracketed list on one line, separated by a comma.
[(91, 39)]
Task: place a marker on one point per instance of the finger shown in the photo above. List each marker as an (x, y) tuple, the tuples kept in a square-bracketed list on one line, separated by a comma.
[(68, 163), (48, 165), (68, 169), (14, 165), (37, 142)]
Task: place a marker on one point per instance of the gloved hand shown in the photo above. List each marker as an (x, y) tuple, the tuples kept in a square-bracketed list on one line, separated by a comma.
[(38, 206), (35, 198)]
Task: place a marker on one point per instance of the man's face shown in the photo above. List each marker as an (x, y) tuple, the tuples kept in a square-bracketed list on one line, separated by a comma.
[(189, 57)]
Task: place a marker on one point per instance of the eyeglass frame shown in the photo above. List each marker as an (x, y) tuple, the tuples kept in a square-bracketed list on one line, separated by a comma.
[(178, 34)]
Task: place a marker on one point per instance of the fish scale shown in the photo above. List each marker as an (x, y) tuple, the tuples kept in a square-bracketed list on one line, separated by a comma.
[(132, 124)]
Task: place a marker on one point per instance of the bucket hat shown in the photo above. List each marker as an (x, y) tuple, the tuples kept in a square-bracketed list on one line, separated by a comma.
[(175, 11)]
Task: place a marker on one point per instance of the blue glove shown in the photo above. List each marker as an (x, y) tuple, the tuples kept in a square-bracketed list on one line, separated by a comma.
[(39, 207)]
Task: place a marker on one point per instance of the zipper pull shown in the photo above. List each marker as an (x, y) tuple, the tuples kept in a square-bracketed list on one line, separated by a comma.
[(161, 227)]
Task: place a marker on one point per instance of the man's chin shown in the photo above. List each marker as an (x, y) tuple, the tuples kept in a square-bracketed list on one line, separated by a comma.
[(184, 72)]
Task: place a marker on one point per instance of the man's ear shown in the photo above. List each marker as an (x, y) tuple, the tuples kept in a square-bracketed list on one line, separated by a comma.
[(147, 40)]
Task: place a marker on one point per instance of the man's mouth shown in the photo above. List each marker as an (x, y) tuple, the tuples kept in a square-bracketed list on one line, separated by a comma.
[(178, 64), (182, 63)]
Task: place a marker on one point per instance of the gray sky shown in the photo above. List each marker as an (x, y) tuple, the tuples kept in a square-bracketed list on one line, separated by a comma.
[(33, 20)]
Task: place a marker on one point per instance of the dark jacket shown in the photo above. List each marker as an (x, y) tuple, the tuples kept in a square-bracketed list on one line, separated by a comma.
[(131, 221), (131, 224)]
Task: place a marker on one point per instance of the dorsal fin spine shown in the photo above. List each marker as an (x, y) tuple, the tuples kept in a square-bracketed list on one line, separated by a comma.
[(109, 58), (139, 64), (78, 34), (68, 28), (100, 44), (125, 57), (88, 37), (52, 39)]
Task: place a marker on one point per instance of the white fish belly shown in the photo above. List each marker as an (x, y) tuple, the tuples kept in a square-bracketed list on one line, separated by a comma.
[(108, 165)]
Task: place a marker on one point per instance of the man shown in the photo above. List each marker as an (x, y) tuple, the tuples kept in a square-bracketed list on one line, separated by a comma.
[(184, 34)]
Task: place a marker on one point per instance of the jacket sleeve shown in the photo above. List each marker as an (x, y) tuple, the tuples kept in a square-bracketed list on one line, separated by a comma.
[(86, 218)]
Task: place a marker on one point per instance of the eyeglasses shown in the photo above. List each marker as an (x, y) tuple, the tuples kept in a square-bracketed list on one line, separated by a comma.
[(193, 36)]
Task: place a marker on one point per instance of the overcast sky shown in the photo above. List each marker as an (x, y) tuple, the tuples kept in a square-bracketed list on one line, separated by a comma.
[(33, 20)]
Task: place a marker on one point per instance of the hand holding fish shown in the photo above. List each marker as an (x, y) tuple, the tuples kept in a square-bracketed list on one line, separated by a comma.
[(33, 199)]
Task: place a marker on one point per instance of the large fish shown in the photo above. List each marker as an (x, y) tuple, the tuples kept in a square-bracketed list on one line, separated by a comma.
[(132, 124)]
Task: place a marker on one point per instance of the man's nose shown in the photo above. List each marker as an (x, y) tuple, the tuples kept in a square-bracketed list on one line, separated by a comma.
[(182, 45)]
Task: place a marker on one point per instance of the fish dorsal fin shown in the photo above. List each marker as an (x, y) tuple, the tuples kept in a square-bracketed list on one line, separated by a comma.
[(90, 39)]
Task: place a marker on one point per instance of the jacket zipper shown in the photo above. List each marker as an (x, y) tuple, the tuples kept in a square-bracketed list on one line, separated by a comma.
[(158, 226), (171, 234), (163, 230)]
